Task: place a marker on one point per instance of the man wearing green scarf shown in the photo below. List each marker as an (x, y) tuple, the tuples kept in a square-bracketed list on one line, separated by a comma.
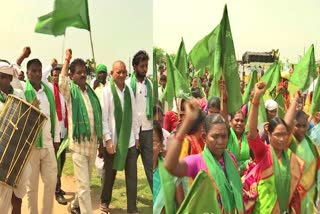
[(84, 127), (142, 89), (121, 134), (42, 159)]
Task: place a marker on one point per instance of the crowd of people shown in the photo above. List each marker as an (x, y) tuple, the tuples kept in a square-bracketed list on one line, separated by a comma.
[(111, 119), (243, 165)]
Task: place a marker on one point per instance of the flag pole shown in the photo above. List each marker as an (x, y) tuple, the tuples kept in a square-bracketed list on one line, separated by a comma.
[(63, 46), (94, 59), (222, 97)]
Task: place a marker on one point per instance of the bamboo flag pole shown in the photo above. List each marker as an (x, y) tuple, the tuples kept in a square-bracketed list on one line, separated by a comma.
[(63, 46), (221, 93), (94, 59)]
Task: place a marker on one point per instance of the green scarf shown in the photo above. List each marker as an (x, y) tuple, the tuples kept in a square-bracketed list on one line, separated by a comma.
[(282, 178), (243, 154), (80, 119), (293, 145), (4, 96), (230, 190), (133, 84), (30, 94), (123, 120)]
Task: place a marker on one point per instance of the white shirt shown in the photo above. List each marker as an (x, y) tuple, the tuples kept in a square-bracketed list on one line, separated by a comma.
[(108, 119), (141, 105), (46, 130), (63, 128)]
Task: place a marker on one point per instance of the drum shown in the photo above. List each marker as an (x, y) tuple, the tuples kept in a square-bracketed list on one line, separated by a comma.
[(20, 125)]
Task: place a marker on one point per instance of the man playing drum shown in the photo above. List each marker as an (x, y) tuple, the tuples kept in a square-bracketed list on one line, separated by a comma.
[(11, 199)]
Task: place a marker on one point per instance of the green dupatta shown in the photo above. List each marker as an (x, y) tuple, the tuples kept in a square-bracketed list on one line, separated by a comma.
[(133, 84), (30, 95), (80, 119), (282, 176), (123, 120), (229, 184), (242, 153)]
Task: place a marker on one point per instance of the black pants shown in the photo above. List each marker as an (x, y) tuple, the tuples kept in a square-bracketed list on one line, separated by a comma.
[(63, 160), (130, 175), (145, 138)]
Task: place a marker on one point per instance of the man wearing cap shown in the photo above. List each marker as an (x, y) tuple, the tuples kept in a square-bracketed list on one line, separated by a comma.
[(11, 199), (101, 79), (271, 107)]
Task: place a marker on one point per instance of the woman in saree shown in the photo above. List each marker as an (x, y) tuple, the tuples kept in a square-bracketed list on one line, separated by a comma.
[(278, 170), (219, 164), (305, 148), (238, 142)]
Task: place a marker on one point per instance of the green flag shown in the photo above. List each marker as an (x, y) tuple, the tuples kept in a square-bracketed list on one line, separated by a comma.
[(176, 87), (181, 61), (202, 188), (315, 104), (253, 80), (281, 108), (155, 80), (202, 54), (272, 77), (305, 71), (225, 62), (66, 13)]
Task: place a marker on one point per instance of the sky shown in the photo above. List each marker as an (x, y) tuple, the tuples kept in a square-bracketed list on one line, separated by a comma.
[(120, 28), (257, 25)]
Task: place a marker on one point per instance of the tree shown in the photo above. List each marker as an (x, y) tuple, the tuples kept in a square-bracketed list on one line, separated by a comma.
[(159, 55)]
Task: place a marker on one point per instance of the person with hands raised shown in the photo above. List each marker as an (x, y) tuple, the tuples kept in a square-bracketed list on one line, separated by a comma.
[(219, 164), (278, 170), (84, 127)]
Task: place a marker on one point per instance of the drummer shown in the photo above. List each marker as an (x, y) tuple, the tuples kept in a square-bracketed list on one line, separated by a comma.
[(11, 199)]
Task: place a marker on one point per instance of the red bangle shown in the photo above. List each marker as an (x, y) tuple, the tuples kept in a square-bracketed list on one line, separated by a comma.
[(68, 60), (177, 138), (255, 103)]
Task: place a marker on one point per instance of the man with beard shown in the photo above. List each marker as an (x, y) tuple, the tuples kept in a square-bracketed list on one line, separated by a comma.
[(142, 89)]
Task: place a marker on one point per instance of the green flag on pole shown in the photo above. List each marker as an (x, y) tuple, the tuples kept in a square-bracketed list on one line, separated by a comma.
[(66, 13), (176, 86), (225, 63), (304, 72), (181, 61), (253, 80)]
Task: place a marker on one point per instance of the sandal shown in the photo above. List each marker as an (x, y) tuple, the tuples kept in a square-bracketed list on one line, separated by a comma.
[(104, 209)]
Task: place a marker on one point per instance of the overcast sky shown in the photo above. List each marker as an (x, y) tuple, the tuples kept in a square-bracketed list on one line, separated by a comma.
[(119, 29), (257, 25)]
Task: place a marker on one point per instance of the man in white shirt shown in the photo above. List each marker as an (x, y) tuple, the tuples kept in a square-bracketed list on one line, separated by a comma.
[(42, 160), (142, 89), (121, 135)]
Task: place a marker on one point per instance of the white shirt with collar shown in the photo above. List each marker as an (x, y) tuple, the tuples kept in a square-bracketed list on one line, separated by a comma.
[(46, 130), (108, 119), (141, 104)]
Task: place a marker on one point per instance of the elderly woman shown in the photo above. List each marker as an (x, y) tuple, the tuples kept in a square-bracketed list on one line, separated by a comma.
[(278, 170), (215, 160)]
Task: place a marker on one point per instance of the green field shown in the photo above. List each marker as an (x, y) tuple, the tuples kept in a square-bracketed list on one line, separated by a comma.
[(119, 189)]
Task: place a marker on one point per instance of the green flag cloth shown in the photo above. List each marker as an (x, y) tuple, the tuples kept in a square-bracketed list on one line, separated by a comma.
[(181, 61), (176, 87), (202, 188), (315, 104), (202, 54), (272, 78), (66, 13), (155, 80), (225, 63), (281, 107), (305, 71), (253, 80)]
